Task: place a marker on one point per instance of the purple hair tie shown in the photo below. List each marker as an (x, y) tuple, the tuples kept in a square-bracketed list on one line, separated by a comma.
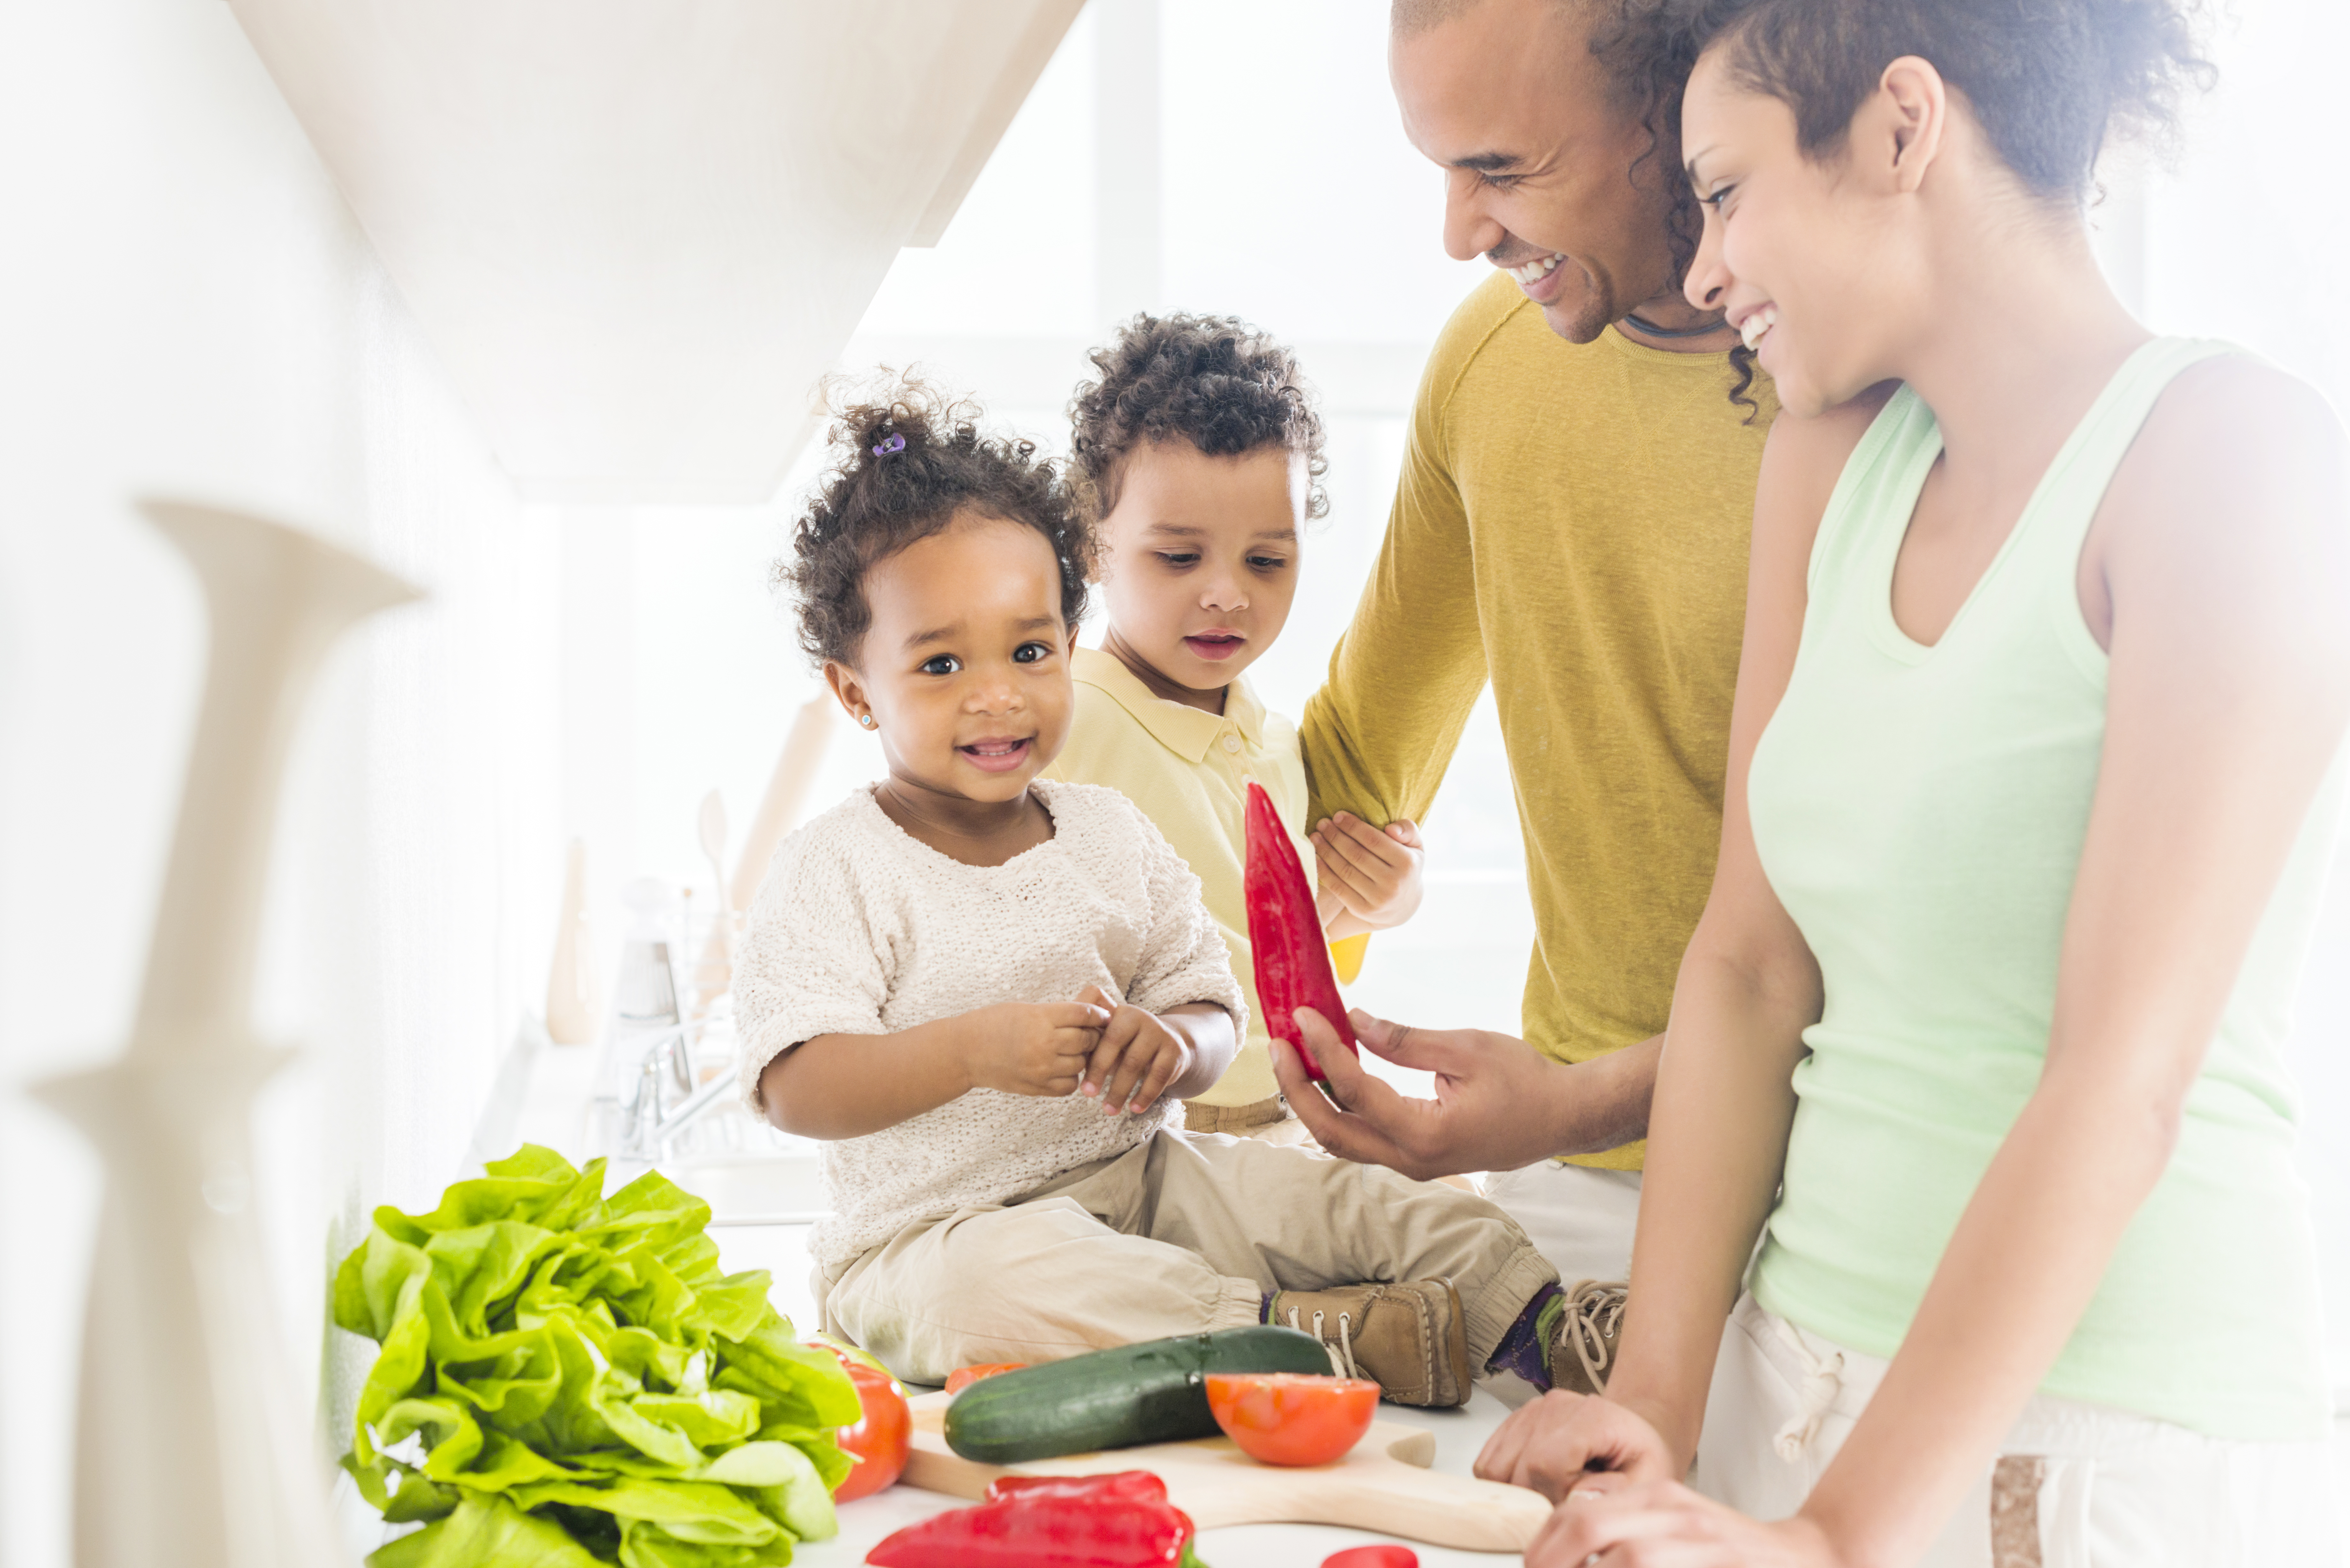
[(892, 445)]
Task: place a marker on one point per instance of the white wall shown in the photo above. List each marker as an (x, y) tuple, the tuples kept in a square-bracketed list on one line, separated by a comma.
[(1275, 183), (185, 307)]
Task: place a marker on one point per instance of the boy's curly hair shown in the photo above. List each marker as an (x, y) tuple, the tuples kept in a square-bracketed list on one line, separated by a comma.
[(1212, 381), (906, 460)]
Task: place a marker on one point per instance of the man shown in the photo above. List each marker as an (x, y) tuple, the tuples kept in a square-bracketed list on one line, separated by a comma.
[(1571, 525)]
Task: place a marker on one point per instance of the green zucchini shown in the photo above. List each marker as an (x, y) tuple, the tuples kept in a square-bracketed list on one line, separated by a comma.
[(1156, 1392)]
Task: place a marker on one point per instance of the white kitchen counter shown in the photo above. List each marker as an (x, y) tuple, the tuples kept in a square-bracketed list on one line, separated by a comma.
[(542, 1098), (782, 1250)]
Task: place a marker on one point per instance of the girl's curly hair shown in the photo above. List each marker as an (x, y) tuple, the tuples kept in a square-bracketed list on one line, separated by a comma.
[(907, 462), (1213, 381)]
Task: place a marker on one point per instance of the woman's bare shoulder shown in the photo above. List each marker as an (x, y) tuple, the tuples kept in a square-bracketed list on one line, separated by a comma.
[(2236, 413), (2236, 442), (2227, 526)]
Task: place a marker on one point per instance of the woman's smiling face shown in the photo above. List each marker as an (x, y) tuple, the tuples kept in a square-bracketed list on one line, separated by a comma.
[(1798, 255)]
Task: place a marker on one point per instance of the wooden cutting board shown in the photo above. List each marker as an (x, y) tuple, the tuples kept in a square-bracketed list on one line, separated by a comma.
[(1383, 1484)]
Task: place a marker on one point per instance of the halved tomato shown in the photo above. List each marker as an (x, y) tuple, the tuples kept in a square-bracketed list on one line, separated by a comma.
[(962, 1378), (1291, 1419), (882, 1436)]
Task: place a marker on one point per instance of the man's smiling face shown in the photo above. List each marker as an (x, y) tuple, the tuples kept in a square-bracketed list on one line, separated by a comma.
[(1546, 175)]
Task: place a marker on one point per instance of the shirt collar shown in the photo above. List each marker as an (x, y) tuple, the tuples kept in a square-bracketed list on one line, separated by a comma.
[(1182, 729)]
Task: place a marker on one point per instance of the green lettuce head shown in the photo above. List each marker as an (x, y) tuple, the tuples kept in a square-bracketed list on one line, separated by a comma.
[(566, 1380)]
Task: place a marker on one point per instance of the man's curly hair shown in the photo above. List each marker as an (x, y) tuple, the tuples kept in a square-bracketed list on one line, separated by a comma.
[(1212, 380), (907, 462)]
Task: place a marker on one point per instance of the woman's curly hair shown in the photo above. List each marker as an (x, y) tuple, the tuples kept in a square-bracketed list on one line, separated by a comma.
[(1212, 381), (907, 462), (2049, 81)]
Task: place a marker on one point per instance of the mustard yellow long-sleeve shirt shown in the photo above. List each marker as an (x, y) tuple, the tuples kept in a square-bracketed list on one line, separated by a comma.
[(1571, 524)]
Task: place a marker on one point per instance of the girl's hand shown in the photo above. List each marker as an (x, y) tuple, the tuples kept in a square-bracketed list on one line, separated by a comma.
[(1370, 873), (1025, 1049), (1563, 1443), (1614, 1521), (1137, 1056)]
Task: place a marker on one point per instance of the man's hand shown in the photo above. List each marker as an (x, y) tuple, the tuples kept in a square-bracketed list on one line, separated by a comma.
[(1499, 1103), (1563, 1440), (1137, 1057), (1370, 873), (1024, 1049), (1625, 1523)]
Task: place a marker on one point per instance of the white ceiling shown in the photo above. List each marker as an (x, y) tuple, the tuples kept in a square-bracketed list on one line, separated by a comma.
[(639, 231)]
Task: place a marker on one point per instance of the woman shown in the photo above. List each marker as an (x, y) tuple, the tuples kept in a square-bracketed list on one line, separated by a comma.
[(2033, 779)]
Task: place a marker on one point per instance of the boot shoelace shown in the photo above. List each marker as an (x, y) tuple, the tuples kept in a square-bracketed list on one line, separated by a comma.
[(1594, 1312), (1341, 1355)]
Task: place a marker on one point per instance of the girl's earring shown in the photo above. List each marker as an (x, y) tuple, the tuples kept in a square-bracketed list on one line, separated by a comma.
[(866, 720)]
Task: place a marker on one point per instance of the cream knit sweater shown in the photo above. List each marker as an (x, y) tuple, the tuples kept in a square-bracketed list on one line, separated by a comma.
[(861, 930)]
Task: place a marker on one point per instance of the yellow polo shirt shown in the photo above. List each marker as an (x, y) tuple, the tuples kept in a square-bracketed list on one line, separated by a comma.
[(1189, 771), (1571, 525)]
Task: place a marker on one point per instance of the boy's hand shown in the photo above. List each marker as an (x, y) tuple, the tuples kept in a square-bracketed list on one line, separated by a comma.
[(1024, 1049), (1371, 873), (1137, 1057)]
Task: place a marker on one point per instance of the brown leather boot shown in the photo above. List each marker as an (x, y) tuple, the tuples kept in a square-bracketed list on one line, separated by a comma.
[(1409, 1338), (1581, 1351)]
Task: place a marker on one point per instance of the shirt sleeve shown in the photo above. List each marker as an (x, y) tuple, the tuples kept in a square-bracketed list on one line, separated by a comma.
[(1184, 957), (810, 962), (1380, 734)]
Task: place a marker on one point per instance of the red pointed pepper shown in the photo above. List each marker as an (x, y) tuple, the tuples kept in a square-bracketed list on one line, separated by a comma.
[(1292, 957), (1121, 1520)]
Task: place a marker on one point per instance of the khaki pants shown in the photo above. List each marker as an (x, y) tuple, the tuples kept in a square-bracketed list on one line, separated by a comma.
[(1182, 1234)]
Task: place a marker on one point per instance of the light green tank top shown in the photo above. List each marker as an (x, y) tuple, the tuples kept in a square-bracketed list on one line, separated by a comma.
[(1920, 811)]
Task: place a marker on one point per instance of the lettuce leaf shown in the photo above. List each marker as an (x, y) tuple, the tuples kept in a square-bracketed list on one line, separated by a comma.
[(566, 1380)]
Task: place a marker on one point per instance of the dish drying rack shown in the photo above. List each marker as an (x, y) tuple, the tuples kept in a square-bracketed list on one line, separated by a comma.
[(666, 1099)]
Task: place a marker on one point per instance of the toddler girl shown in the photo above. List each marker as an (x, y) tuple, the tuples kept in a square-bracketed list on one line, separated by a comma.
[(982, 990), (1198, 457)]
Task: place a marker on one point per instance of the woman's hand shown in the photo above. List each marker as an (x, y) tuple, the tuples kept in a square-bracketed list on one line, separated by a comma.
[(1613, 1521), (1031, 1049), (1564, 1442), (1369, 873)]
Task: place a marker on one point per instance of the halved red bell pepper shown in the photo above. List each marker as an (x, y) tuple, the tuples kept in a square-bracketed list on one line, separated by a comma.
[(1136, 1485), (1285, 940), (1120, 1521)]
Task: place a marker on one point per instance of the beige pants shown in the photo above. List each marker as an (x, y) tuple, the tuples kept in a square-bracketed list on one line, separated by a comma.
[(2075, 1485), (1183, 1234)]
